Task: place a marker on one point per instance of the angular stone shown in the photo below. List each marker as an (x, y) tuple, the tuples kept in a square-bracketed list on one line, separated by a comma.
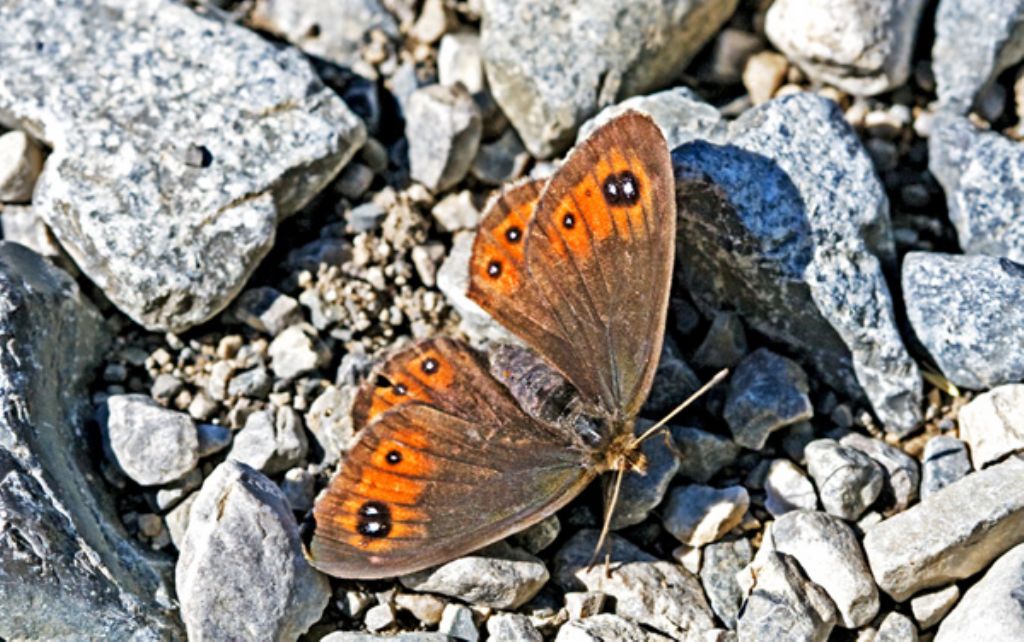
[(255, 383), (862, 48), (800, 256), (784, 604), (992, 424), (241, 572), (581, 604), (660, 594), (551, 65), (980, 173), (425, 607), (702, 454), (512, 627), (20, 224), (171, 165), (603, 628), (500, 161), (929, 608), (951, 534), (299, 489), (67, 569), (901, 474), (848, 481), (642, 492), (724, 344), (329, 420), (169, 496), (991, 609), (443, 127), (722, 561), (787, 488), (945, 461), (151, 444), (297, 351), (975, 40), (266, 310), (766, 392), (896, 627), (674, 381), (380, 617), (498, 576), (968, 312), (212, 438), (539, 536), (830, 555), (271, 442), (698, 515), (335, 31), (459, 60), (21, 161)]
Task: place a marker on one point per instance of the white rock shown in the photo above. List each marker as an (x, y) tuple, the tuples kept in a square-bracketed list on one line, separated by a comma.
[(929, 608), (787, 488), (458, 60), (990, 610), (992, 424), (698, 514), (21, 160)]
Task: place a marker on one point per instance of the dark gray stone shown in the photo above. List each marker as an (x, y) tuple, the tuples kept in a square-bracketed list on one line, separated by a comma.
[(642, 492), (848, 480), (968, 312), (266, 310), (674, 381), (702, 454), (945, 460), (61, 543), (766, 392), (722, 561), (212, 438), (168, 242), (788, 225), (901, 472), (784, 604), (724, 344)]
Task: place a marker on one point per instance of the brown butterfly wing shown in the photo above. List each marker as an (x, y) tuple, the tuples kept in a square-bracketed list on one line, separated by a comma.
[(457, 467), (597, 263)]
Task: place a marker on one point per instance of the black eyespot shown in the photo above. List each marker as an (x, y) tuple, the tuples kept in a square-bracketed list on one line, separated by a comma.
[(400, 389), (382, 382), (621, 189), (494, 269), (429, 365), (513, 234), (393, 457), (569, 221), (374, 520)]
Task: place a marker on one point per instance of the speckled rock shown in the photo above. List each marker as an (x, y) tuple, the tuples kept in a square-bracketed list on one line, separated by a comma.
[(21, 160), (784, 604), (266, 310), (512, 627), (443, 127), (722, 561), (551, 65), (992, 424), (62, 544), (498, 576), (766, 392), (241, 573), (150, 197), (945, 460), (788, 225), (863, 48), (968, 312), (848, 481), (896, 627), (334, 31), (151, 444), (991, 609), (951, 534), (980, 173), (975, 40)]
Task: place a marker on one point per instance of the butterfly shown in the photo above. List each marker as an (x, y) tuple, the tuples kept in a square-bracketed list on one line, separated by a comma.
[(450, 459)]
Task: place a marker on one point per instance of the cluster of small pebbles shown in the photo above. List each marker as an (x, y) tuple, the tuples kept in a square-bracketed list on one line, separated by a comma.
[(218, 215)]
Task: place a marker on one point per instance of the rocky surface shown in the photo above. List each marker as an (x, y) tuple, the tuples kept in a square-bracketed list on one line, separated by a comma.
[(990, 608)]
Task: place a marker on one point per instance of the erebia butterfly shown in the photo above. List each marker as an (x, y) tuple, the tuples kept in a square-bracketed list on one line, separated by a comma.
[(448, 461)]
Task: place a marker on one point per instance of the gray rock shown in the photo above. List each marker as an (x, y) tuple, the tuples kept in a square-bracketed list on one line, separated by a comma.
[(298, 488), (975, 40), (929, 608), (951, 534), (329, 420), (784, 604), (980, 173), (443, 127), (297, 351), (848, 481), (945, 461), (459, 61), (698, 515), (702, 454), (660, 594), (722, 561), (177, 520), (551, 65), (968, 312), (901, 474), (787, 488), (170, 241), (457, 211), (500, 161), (21, 161), (605, 627), (169, 496), (151, 444), (674, 381), (862, 48), (766, 392), (335, 31), (380, 617), (724, 344), (62, 544), (642, 492), (583, 604), (498, 576), (512, 627), (788, 225), (359, 636), (212, 438), (271, 442), (990, 610), (680, 113), (166, 387), (992, 424), (830, 555), (255, 383), (896, 627), (20, 224), (266, 310), (241, 573)]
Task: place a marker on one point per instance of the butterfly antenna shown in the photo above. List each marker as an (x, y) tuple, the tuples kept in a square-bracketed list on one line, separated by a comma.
[(609, 511), (722, 374)]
